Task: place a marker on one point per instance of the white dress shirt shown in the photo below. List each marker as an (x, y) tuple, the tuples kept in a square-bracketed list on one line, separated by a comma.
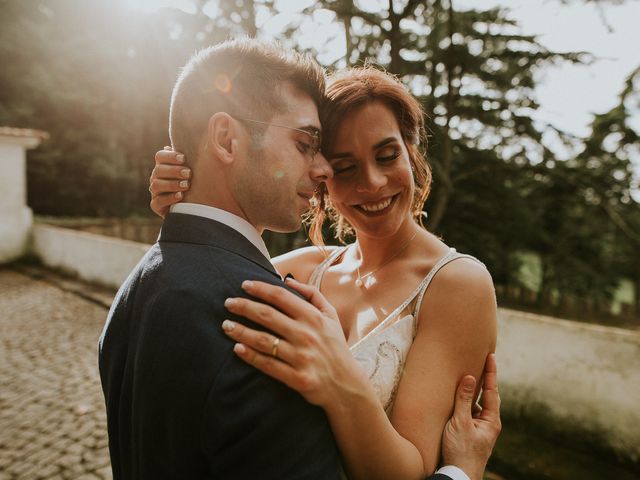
[(239, 224), (250, 233), (454, 472)]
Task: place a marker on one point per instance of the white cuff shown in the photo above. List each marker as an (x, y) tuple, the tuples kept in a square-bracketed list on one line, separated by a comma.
[(454, 472)]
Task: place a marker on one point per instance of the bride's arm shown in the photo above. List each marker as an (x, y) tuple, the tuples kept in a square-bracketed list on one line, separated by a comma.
[(456, 331)]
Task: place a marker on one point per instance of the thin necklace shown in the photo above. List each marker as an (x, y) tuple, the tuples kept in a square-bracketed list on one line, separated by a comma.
[(361, 278)]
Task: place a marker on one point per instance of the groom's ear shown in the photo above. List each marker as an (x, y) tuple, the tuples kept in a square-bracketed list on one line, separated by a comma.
[(221, 137)]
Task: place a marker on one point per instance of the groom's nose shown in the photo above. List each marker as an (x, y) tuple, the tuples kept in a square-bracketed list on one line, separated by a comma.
[(321, 170)]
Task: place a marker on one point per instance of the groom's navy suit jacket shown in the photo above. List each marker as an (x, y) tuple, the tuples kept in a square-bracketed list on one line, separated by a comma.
[(180, 404)]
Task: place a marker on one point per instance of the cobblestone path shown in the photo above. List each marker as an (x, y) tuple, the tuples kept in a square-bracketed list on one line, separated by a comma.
[(52, 419)]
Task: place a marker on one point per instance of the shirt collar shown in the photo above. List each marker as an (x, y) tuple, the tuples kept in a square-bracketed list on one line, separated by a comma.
[(229, 219)]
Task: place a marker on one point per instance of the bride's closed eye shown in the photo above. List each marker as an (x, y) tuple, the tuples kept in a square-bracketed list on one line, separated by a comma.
[(342, 167), (388, 157)]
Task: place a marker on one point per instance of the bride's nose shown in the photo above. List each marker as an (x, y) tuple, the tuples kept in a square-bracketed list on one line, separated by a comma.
[(371, 180)]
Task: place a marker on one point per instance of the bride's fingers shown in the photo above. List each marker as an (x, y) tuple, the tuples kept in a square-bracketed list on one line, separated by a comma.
[(267, 364), (283, 300), (313, 295), (264, 315), (263, 342), (170, 172), (169, 157), (160, 203), (158, 186)]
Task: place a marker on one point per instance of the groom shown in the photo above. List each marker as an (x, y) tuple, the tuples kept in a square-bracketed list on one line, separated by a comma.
[(180, 404)]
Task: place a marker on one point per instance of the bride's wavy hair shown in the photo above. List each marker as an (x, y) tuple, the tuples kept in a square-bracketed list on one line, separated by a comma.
[(350, 89)]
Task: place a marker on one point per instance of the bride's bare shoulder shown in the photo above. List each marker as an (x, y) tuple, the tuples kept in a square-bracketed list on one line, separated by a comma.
[(301, 262)]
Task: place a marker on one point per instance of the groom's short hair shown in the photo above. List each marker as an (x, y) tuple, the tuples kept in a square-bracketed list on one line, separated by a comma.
[(240, 77)]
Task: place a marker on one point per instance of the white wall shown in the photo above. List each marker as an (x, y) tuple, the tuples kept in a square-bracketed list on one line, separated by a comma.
[(15, 217), (586, 376), (96, 258)]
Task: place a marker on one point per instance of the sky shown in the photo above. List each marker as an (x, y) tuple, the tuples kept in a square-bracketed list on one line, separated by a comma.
[(568, 95)]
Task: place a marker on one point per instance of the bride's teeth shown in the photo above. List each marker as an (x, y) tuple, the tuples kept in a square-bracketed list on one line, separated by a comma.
[(376, 207)]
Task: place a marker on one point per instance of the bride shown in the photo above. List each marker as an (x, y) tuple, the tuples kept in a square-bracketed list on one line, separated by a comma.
[(414, 315)]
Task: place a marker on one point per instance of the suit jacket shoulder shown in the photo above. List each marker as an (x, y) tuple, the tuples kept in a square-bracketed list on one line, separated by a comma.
[(180, 404)]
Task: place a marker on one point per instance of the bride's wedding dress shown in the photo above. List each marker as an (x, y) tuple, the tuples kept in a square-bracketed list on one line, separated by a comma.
[(382, 352)]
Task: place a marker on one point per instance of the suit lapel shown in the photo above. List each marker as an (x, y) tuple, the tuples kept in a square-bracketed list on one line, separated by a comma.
[(182, 228)]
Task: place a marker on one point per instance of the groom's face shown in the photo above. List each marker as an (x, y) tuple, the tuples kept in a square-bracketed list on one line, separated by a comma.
[(279, 174)]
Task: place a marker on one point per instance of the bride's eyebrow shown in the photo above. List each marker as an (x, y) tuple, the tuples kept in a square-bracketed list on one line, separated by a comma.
[(380, 144), (339, 155), (385, 142)]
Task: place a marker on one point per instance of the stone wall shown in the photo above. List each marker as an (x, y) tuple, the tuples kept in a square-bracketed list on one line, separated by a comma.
[(95, 258), (580, 380)]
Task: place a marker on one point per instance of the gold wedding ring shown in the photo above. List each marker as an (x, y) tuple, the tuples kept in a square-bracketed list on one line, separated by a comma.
[(274, 347)]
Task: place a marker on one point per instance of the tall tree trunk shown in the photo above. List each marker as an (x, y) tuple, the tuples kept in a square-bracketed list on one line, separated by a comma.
[(249, 21), (395, 39), (637, 292), (544, 281), (346, 21), (444, 189)]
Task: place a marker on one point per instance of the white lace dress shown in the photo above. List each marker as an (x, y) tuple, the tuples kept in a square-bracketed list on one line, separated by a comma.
[(383, 351)]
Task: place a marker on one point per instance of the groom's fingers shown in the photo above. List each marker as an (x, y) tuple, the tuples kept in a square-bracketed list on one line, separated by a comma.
[(464, 400), (490, 396)]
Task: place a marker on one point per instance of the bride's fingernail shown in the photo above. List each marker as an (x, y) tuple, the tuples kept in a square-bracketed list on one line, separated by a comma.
[(247, 284), (185, 173), (229, 302), (228, 326), (180, 158), (239, 348), (184, 184), (178, 195)]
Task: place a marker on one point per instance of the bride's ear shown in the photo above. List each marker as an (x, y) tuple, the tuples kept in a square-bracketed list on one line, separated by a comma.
[(222, 143)]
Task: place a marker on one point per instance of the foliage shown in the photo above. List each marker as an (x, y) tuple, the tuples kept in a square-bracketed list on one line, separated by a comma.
[(98, 78)]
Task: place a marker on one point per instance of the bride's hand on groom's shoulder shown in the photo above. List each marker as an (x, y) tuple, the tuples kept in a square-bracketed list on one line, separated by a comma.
[(305, 348), (168, 181)]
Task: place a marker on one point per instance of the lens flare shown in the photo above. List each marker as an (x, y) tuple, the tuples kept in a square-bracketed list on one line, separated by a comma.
[(222, 83)]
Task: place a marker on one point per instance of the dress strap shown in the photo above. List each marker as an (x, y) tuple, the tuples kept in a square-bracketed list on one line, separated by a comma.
[(419, 290), (448, 258), (316, 276)]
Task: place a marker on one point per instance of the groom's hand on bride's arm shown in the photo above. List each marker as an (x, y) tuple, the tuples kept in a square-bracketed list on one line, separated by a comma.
[(168, 181), (468, 440)]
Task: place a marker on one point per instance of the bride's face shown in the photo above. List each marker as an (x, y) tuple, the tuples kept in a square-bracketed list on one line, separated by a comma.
[(372, 185)]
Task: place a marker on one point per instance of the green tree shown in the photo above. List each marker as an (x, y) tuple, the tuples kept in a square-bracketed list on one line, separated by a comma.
[(607, 180), (98, 78)]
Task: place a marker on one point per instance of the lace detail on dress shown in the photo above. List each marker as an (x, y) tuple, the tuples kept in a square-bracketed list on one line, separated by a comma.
[(383, 352), (382, 358)]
